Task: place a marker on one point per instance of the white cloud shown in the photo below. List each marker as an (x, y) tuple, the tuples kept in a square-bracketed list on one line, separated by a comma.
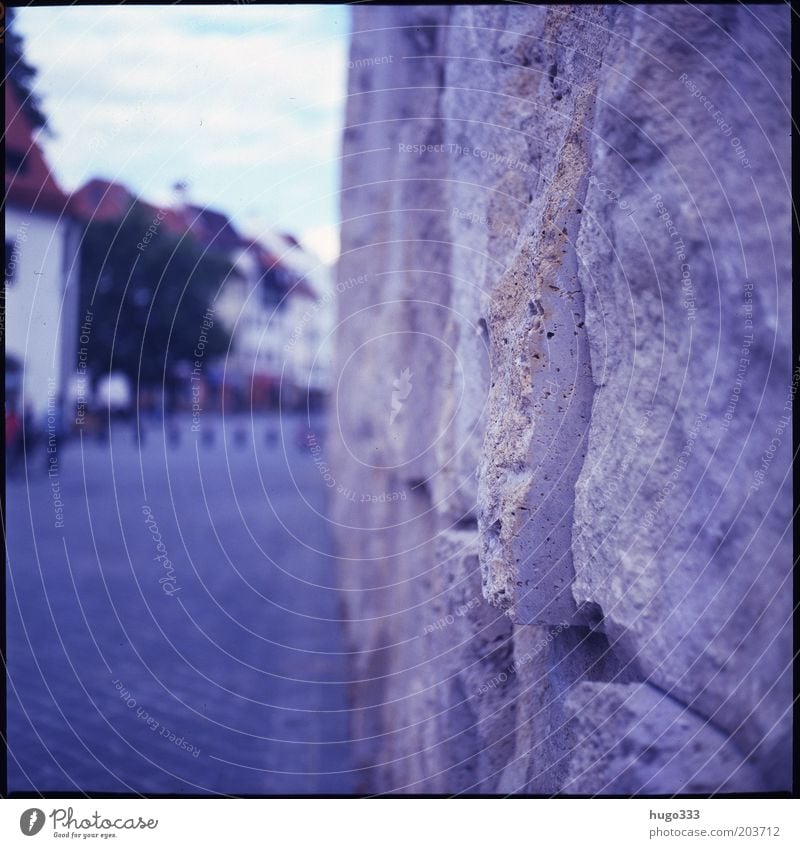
[(322, 241), (245, 102)]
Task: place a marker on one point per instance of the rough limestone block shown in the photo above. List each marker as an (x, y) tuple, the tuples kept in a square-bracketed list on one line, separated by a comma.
[(588, 281), (678, 539), (541, 393), (634, 739)]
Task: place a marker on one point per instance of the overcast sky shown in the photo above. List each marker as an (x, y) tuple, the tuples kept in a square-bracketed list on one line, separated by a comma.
[(243, 102)]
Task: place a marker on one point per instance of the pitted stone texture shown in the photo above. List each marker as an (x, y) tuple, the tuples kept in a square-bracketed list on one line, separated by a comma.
[(541, 392), (634, 739)]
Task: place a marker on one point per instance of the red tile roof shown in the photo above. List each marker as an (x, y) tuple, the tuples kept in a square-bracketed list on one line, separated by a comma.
[(29, 183), (102, 200)]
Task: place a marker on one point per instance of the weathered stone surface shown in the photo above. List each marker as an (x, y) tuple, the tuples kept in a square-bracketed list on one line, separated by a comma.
[(684, 555), (560, 441), (636, 740), (541, 392)]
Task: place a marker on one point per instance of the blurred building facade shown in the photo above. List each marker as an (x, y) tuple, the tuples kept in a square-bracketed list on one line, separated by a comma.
[(272, 303)]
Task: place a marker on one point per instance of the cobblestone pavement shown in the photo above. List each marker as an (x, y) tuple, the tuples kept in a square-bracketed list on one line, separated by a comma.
[(173, 625)]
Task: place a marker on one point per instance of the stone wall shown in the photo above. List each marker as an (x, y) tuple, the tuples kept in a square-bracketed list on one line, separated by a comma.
[(559, 448)]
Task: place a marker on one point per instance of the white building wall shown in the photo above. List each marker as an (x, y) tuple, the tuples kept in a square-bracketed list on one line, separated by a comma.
[(41, 309)]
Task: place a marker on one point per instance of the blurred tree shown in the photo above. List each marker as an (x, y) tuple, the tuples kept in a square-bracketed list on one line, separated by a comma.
[(22, 75), (148, 291)]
